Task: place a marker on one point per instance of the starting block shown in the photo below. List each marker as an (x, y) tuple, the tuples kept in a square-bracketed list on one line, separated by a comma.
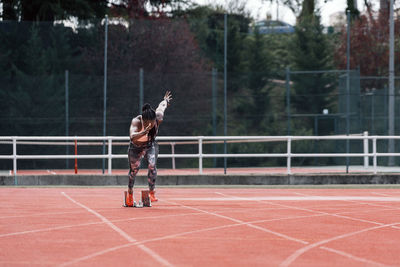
[(145, 200), (125, 205)]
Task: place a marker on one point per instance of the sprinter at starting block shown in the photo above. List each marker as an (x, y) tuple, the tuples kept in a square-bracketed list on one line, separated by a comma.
[(142, 133)]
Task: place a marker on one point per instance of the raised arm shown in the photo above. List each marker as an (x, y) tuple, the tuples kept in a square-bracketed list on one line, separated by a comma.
[(163, 106)]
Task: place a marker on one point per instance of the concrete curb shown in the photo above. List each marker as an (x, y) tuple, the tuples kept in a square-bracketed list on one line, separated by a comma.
[(234, 179)]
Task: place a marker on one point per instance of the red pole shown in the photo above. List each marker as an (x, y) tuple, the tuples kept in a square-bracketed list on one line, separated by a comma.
[(76, 153)]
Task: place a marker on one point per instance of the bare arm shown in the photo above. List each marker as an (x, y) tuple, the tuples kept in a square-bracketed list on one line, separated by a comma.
[(134, 132), (163, 106)]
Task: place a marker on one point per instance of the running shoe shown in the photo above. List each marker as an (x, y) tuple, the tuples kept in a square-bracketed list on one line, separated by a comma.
[(152, 196)]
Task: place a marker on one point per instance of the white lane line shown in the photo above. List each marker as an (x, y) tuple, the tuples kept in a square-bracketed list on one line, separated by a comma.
[(130, 239), (102, 252), (225, 226), (105, 220), (369, 204), (193, 232), (133, 219), (378, 223), (42, 214), (303, 209), (93, 255), (321, 213), (93, 223), (352, 257), (381, 194), (316, 211), (242, 222), (289, 260), (295, 198)]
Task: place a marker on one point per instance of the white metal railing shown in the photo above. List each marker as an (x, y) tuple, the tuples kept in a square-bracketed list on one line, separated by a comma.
[(200, 140)]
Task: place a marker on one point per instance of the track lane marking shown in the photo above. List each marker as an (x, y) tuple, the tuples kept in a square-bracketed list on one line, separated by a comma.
[(315, 211), (242, 222), (102, 252), (289, 260), (99, 253), (322, 213), (92, 223), (130, 239), (369, 204), (378, 223), (350, 256), (295, 198)]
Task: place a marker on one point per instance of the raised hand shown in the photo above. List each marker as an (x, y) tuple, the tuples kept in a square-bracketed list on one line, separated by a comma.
[(168, 96)]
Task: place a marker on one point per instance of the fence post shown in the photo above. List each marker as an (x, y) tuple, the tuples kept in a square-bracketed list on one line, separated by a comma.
[(289, 152), (173, 154), (374, 152), (66, 114), (76, 153), (105, 87), (109, 155), (200, 155), (288, 100), (141, 90), (366, 143), (214, 109), (14, 141)]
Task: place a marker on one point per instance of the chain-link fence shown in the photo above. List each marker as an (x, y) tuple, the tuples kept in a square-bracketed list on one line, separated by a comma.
[(55, 78)]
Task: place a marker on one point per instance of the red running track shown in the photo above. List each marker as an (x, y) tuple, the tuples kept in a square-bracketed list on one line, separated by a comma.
[(200, 227)]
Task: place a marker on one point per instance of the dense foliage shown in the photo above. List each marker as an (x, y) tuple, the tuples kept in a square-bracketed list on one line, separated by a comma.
[(175, 46)]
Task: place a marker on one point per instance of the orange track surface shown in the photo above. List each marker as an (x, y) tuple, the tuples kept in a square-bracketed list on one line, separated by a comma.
[(200, 227)]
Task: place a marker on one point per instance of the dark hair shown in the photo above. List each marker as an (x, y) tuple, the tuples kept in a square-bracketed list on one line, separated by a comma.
[(149, 114)]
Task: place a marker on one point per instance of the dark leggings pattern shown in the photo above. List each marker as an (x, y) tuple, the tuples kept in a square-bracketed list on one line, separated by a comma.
[(135, 155)]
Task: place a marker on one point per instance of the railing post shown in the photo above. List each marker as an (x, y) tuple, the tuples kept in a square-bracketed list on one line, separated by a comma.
[(200, 155), (76, 153), (14, 141), (289, 152), (173, 154), (109, 155), (366, 143), (374, 152)]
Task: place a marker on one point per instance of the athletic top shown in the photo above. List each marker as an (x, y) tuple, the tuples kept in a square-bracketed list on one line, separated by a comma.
[(145, 138)]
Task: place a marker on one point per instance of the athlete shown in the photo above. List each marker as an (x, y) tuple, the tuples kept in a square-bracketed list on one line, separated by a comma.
[(142, 133)]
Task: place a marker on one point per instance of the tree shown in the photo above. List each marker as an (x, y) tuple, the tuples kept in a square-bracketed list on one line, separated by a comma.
[(136, 9), (369, 45), (352, 7), (253, 105), (50, 10), (35, 103), (311, 51), (293, 5), (307, 10), (9, 9)]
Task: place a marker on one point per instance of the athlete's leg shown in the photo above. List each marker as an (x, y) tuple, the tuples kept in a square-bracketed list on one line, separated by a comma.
[(135, 154), (151, 157)]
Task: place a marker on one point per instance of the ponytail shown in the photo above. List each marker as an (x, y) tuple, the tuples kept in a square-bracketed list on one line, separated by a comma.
[(149, 114)]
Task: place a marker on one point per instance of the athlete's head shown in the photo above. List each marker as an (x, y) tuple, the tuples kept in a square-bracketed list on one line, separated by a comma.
[(148, 114), (149, 118)]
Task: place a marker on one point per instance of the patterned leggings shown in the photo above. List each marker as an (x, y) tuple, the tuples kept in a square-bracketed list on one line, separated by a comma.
[(135, 155)]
